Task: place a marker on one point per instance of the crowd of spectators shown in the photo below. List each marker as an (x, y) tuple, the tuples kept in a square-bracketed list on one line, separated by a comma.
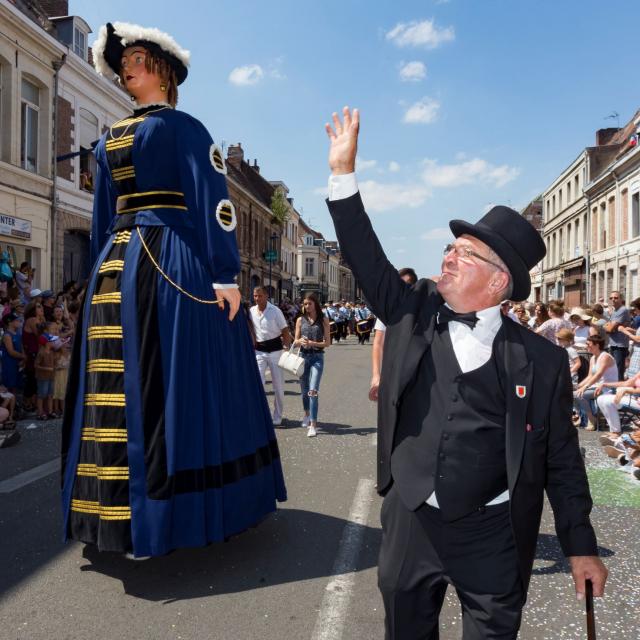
[(36, 333), (603, 348)]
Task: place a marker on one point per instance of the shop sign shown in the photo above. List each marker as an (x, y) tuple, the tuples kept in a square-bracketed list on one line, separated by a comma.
[(16, 227)]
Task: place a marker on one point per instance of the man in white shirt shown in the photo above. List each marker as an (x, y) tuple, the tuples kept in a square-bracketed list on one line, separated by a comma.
[(271, 332), (410, 277)]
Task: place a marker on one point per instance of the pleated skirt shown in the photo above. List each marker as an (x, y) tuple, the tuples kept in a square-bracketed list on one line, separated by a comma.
[(167, 436)]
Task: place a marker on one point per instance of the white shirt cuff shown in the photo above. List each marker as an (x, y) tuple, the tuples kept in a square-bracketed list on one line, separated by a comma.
[(342, 186), (231, 285)]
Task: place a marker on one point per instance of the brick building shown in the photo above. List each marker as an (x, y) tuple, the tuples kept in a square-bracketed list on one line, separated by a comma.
[(50, 97), (592, 221), (257, 231)]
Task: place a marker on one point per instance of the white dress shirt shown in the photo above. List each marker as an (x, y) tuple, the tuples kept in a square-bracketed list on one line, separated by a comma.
[(472, 347), (267, 324)]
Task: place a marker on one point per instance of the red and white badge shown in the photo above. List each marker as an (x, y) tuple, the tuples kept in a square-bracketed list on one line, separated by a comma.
[(521, 390)]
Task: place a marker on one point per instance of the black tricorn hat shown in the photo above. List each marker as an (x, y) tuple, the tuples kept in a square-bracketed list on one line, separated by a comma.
[(514, 239), (113, 39)]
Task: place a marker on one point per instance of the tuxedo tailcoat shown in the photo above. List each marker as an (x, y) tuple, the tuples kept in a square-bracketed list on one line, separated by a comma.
[(541, 444)]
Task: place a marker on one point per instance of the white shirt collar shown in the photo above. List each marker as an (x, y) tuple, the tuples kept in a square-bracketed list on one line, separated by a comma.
[(489, 319)]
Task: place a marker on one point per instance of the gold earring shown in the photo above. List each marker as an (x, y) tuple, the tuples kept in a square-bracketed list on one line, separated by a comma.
[(163, 87)]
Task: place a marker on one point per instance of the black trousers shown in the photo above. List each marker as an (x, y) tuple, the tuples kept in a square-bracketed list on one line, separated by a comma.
[(420, 555), (619, 354)]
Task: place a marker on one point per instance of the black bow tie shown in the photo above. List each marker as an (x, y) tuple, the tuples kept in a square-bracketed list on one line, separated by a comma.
[(448, 315)]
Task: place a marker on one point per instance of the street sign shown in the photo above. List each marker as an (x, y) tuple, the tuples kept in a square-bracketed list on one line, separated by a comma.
[(271, 256)]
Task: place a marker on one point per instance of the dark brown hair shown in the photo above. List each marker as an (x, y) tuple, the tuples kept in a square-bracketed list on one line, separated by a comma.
[(597, 340), (314, 298), (408, 271)]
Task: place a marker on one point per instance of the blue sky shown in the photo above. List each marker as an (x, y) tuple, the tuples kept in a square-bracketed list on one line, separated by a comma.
[(464, 103)]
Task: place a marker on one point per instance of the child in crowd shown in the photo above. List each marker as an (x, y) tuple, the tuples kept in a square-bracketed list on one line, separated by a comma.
[(62, 351), (565, 338), (45, 371)]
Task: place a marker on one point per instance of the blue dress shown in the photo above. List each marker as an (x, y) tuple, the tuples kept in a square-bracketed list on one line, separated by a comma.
[(10, 374), (167, 436)]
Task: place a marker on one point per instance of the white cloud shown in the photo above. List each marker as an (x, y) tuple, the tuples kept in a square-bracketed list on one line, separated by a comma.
[(413, 71), (424, 111), (380, 197), (394, 167), (420, 34), (474, 171), (363, 165), (439, 233), (247, 75), (275, 69)]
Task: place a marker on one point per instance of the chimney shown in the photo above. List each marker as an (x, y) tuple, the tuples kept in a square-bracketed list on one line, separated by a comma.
[(235, 155), (256, 168), (603, 136), (55, 8)]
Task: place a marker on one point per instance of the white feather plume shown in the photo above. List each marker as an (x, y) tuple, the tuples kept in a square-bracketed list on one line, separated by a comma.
[(130, 33)]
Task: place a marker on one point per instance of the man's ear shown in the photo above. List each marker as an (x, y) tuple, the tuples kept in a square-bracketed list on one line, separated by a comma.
[(499, 282)]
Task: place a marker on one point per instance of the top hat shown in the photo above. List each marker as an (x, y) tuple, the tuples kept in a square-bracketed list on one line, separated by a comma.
[(514, 239), (114, 38)]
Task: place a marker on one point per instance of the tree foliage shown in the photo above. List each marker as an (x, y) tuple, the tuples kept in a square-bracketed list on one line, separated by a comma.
[(280, 206)]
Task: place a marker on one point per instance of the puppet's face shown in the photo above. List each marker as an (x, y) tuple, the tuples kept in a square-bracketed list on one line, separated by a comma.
[(137, 80)]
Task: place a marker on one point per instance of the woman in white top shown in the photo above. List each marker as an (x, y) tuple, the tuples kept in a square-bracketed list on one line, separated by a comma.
[(581, 321), (602, 368)]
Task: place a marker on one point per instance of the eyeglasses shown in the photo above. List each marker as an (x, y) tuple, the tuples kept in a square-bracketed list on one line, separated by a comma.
[(614, 298), (467, 253)]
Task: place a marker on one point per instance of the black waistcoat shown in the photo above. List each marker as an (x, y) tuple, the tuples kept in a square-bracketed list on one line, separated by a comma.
[(451, 433)]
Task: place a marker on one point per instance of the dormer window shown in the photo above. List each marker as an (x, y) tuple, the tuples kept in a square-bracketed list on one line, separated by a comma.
[(79, 42)]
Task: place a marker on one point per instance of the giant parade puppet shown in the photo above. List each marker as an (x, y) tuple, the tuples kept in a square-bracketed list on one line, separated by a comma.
[(167, 437)]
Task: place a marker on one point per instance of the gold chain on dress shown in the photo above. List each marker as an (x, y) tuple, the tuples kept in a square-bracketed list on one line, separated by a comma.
[(133, 119), (218, 301)]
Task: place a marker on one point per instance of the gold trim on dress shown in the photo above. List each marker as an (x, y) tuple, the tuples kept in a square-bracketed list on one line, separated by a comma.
[(102, 298), (104, 512), (153, 206), (103, 434), (104, 400), (103, 365), (108, 331), (126, 122), (102, 473), (111, 265), (122, 237)]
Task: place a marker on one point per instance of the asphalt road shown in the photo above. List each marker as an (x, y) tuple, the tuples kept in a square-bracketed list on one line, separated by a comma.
[(307, 572)]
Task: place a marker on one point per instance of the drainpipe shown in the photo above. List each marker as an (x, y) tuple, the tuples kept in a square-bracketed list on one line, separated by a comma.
[(618, 231), (57, 65)]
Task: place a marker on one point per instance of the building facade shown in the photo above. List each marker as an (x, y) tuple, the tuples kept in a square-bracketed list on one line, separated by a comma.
[(591, 218), (566, 235), (29, 62), (51, 98), (259, 235), (613, 201)]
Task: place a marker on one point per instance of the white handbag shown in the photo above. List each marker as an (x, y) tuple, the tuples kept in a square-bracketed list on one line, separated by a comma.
[(292, 362)]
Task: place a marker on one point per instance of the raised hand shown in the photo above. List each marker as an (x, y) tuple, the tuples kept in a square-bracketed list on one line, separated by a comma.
[(344, 141)]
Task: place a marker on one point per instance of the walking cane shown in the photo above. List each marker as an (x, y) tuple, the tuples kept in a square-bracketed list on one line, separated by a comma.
[(591, 621)]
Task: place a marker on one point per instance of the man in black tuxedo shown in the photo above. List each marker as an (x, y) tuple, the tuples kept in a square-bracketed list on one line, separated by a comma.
[(474, 422)]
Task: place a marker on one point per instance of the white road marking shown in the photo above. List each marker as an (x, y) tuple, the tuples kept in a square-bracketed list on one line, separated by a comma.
[(335, 603), (27, 477), (374, 440)]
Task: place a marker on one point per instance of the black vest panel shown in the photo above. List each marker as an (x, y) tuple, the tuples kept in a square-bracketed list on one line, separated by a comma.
[(451, 433)]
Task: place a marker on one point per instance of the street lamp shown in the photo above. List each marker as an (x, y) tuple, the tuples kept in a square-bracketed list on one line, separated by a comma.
[(272, 240), (324, 278)]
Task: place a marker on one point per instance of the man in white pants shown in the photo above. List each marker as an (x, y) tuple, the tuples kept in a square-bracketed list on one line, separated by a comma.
[(271, 332)]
